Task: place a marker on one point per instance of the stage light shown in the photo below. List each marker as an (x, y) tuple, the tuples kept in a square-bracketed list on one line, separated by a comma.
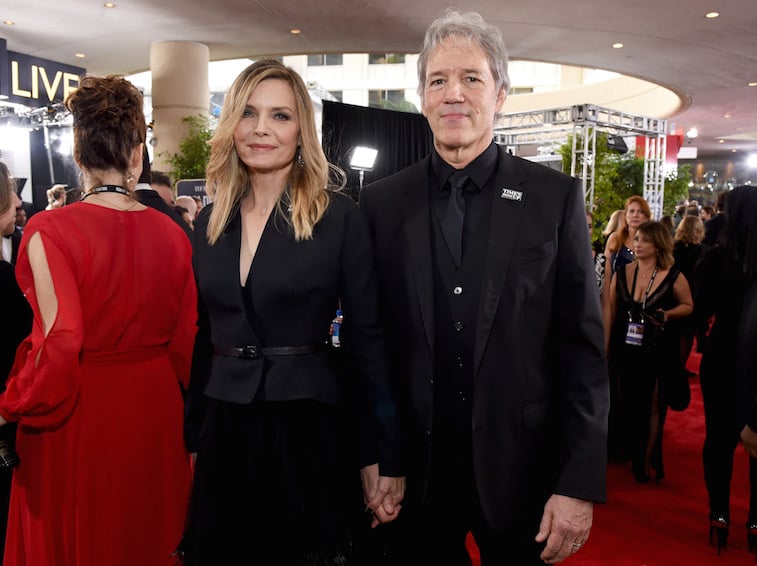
[(363, 159)]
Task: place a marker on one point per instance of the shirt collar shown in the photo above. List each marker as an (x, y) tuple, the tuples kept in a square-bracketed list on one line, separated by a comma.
[(479, 170)]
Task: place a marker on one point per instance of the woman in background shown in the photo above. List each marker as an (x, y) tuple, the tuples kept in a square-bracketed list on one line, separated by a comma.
[(686, 252), (722, 279), (277, 252), (619, 252), (644, 296), (96, 388)]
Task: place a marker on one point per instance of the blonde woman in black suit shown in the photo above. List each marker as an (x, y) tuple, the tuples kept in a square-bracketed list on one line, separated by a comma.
[(277, 252)]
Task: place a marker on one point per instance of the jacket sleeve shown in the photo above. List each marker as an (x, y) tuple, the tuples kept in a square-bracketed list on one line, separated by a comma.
[(363, 336)]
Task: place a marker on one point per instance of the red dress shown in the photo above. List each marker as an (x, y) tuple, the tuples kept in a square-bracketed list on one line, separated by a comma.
[(104, 476)]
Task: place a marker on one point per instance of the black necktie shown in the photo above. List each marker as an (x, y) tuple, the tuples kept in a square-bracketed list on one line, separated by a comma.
[(452, 224)]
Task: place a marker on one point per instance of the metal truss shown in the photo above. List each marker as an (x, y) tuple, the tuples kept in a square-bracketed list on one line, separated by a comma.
[(582, 122)]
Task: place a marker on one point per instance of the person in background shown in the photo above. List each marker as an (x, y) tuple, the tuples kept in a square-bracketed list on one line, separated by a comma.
[(616, 221), (714, 226), (645, 295), (96, 388), (161, 182), (724, 286), (745, 239), (11, 237), (597, 253), (619, 252), (277, 252), (17, 323), (147, 195), (473, 246), (619, 247), (199, 203), (707, 213), (686, 252), (188, 204), (20, 218), (56, 197)]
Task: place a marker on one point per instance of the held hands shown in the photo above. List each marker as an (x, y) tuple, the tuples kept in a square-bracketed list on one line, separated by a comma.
[(3, 421), (381, 494), (749, 439), (565, 526)]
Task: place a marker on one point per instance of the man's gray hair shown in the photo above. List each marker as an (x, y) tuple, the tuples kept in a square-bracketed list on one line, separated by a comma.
[(471, 26)]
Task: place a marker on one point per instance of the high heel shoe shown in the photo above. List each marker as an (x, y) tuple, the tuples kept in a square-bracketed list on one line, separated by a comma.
[(751, 535), (719, 526)]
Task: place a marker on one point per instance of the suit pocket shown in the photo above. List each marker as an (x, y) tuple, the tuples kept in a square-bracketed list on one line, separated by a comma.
[(534, 253), (537, 415)]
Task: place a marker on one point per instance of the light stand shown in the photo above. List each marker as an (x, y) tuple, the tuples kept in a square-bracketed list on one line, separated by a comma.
[(362, 160)]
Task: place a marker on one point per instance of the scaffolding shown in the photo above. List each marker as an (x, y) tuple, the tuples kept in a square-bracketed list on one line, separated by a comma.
[(582, 122)]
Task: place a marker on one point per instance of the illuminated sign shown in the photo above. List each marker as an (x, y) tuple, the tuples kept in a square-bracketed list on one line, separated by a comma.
[(33, 81)]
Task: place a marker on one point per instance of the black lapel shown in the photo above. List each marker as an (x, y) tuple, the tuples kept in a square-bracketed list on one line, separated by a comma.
[(506, 217)]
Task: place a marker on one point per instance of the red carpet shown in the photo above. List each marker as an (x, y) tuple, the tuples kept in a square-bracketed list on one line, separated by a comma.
[(667, 524)]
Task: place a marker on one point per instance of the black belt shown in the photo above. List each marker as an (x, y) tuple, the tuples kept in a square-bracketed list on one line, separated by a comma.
[(254, 352)]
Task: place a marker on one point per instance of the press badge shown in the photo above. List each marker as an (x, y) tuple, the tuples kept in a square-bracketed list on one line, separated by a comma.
[(635, 333)]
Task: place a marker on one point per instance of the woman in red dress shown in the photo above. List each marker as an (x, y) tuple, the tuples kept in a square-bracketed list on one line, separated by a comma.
[(96, 388)]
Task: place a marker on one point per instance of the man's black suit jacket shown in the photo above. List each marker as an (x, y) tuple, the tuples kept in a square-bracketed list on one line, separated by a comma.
[(539, 371), (152, 198)]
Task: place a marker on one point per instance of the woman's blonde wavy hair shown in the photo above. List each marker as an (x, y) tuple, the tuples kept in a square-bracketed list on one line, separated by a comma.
[(227, 179)]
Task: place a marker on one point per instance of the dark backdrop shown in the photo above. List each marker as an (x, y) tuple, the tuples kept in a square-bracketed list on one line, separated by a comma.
[(401, 139)]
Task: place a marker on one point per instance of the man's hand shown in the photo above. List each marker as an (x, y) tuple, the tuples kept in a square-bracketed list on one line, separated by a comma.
[(565, 526), (749, 439), (382, 494)]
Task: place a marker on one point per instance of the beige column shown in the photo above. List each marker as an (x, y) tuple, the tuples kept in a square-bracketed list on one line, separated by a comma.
[(179, 89)]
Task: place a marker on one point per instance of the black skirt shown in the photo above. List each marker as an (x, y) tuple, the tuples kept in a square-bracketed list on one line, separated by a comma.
[(275, 483)]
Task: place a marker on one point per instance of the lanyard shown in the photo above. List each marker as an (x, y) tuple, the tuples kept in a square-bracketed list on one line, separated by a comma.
[(646, 293)]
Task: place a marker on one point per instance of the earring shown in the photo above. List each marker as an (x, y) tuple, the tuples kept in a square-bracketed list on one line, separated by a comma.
[(130, 179), (298, 158)]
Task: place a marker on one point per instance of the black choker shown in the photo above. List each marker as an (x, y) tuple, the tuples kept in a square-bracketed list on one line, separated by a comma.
[(107, 189)]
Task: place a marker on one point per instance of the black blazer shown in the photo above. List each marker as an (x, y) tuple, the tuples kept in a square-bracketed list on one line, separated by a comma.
[(296, 289), (540, 378), (15, 244), (152, 198)]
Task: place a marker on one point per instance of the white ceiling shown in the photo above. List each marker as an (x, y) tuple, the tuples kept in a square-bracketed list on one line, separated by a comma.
[(708, 62)]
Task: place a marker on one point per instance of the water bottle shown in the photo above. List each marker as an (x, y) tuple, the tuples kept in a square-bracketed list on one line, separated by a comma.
[(336, 325)]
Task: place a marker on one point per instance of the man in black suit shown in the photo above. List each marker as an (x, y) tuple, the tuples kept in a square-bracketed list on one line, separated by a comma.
[(494, 324), (148, 196)]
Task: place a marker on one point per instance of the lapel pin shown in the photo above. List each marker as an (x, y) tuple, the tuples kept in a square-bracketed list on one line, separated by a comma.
[(510, 194)]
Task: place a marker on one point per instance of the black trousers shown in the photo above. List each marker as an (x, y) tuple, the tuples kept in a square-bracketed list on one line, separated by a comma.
[(434, 530)]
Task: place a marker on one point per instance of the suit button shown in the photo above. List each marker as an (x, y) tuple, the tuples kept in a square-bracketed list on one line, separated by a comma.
[(428, 432), (459, 361), (431, 380), (458, 326), (457, 290)]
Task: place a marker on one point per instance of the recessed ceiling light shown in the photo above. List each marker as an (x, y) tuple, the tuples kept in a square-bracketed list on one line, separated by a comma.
[(726, 116), (692, 133), (733, 151), (295, 31), (80, 55), (110, 4), (721, 141), (711, 15), (752, 84), (9, 22), (617, 45)]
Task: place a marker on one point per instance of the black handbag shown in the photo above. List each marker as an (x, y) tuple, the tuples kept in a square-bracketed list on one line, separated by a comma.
[(677, 390)]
